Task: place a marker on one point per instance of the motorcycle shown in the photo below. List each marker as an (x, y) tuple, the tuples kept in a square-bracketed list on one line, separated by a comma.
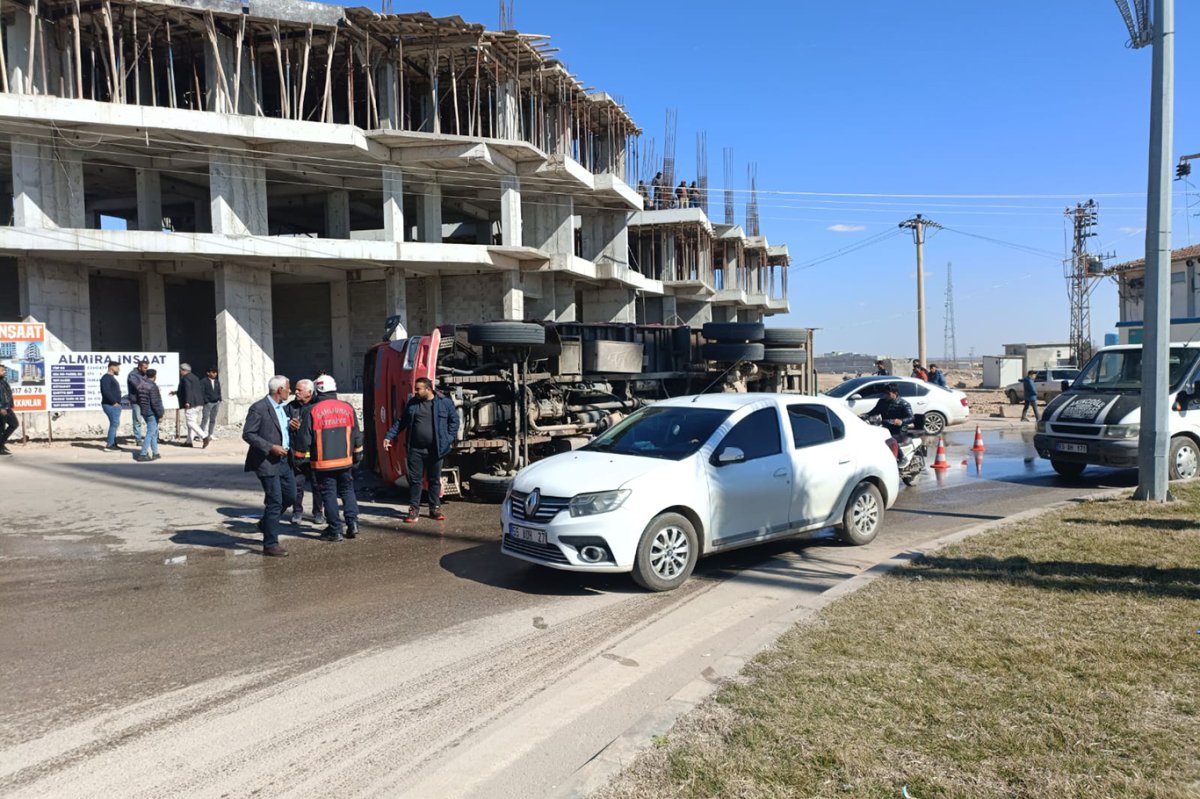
[(910, 454)]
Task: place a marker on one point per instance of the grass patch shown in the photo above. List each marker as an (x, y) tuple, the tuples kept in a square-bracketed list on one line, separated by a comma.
[(1057, 657)]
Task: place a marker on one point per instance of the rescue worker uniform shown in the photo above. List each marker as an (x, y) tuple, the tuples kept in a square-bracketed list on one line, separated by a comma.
[(302, 473), (330, 440)]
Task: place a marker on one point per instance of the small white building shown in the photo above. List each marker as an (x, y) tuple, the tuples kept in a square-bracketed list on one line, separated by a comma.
[(1000, 370), (1041, 356), (1185, 302)]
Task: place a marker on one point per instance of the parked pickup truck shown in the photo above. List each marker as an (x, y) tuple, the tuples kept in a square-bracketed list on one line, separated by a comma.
[(1098, 419)]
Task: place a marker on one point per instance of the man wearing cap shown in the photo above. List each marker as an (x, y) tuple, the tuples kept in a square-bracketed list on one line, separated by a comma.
[(191, 399), (330, 440), (136, 376), (8, 416)]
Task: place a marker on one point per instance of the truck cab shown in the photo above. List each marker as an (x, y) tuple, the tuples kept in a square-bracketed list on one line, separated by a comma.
[(1098, 419)]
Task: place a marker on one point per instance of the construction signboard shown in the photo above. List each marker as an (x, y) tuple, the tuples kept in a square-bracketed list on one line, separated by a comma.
[(75, 377), (23, 351)]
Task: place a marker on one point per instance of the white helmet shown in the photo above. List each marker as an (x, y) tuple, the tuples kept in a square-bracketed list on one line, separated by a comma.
[(325, 384)]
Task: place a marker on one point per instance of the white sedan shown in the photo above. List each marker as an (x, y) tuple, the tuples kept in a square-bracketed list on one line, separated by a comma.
[(695, 475), (934, 407)]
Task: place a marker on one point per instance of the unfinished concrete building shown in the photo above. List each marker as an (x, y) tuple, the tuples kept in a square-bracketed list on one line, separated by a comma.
[(259, 184)]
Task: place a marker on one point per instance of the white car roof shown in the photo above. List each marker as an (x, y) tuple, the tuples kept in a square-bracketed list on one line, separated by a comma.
[(732, 402)]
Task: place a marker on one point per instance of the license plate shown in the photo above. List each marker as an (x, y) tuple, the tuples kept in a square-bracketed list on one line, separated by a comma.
[(531, 534), (1065, 447)]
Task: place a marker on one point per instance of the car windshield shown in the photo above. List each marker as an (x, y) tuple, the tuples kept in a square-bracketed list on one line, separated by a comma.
[(672, 433), (1121, 370), (848, 387)]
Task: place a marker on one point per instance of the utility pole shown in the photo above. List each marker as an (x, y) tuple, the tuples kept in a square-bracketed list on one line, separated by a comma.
[(1082, 272), (917, 225), (950, 344)]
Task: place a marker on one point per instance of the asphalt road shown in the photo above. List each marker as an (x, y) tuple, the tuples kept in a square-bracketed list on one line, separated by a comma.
[(415, 660)]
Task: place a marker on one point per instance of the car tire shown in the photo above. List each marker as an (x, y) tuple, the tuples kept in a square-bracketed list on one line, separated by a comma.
[(933, 423), (863, 515), (785, 336), (657, 566), (1185, 459), (785, 356), (506, 334), (1013, 399), (490, 488), (732, 331), (1067, 468), (725, 351)]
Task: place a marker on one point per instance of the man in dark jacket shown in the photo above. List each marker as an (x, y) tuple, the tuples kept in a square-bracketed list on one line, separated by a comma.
[(1029, 389), (432, 424), (8, 415), (895, 412), (151, 404), (331, 442), (301, 468), (266, 431), (110, 400), (135, 377), (191, 400), (936, 375), (212, 401)]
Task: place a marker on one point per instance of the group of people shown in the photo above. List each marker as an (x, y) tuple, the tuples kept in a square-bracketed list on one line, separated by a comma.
[(658, 195), (933, 374), (199, 398)]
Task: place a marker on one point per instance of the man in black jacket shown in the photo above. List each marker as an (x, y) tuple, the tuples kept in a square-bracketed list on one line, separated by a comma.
[(212, 401), (110, 400), (191, 399), (151, 404), (8, 415), (432, 424), (302, 473), (266, 431), (136, 376)]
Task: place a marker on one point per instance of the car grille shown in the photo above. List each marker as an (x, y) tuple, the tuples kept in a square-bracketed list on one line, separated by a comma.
[(547, 552), (548, 508), (1076, 429)]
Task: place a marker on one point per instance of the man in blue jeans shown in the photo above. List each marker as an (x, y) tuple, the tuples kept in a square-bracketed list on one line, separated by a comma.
[(110, 400), (266, 431), (136, 376), (150, 401), (432, 424), (1029, 388)]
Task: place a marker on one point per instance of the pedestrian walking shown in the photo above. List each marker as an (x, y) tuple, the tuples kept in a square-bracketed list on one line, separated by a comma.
[(936, 375), (151, 404), (331, 441), (212, 402), (1030, 391), (191, 399), (266, 432), (8, 414), (136, 376), (432, 424), (110, 400), (302, 473)]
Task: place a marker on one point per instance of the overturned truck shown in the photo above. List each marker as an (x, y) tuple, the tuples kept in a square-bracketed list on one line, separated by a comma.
[(526, 390)]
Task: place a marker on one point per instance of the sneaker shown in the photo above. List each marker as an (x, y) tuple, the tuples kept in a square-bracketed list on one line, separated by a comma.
[(330, 535), (296, 517), (318, 518), (414, 513), (156, 457), (351, 529), (437, 515), (207, 441), (142, 458), (112, 449)]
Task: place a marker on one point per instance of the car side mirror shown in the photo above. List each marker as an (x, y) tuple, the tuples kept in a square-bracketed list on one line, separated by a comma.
[(730, 455), (855, 397)]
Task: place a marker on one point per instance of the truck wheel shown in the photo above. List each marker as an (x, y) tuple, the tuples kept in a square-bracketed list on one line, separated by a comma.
[(1013, 399), (785, 356), (733, 331), (785, 336), (732, 352), (490, 488), (933, 423), (1184, 458), (863, 515), (506, 334), (1067, 468), (667, 553)]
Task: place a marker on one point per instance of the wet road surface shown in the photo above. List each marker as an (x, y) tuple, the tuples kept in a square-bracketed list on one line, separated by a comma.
[(410, 644)]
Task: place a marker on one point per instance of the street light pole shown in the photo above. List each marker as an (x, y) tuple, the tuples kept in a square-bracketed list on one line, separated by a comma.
[(917, 225)]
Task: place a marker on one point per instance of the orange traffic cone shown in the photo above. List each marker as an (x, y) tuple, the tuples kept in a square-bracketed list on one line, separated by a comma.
[(978, 440), (939, 460)]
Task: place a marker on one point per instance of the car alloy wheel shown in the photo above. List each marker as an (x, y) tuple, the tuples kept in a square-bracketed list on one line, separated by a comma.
[(866, 514), (669, 552), (1184, 459), (666, 553), (934, 423), (863, 515)]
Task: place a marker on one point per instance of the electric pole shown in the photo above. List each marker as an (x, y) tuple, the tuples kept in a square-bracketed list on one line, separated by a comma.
[(950, 345), (1082, 272), (917, 225)]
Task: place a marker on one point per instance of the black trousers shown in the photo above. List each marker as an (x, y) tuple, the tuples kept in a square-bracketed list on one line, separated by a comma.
[(427, 464), (303, 473), (334, 485), (276, 487), (8, 424)]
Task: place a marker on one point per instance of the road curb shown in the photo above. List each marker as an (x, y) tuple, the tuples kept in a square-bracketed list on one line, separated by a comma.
[(621, 751)]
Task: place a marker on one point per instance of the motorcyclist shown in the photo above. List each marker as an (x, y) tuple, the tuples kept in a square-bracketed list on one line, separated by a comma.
[(896, 414)]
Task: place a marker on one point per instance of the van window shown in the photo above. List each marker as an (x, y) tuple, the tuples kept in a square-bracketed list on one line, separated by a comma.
[(1121, 370)]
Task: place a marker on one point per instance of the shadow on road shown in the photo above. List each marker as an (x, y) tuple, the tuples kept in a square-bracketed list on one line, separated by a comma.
[(1150, 524), (485, 564)]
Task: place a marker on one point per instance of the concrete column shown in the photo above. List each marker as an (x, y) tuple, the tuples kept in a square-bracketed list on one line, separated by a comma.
[(510, 211), (429, 223), (154, 311), (238, 195), (549, 225), (57, 294), (17, 52), (513, 301), (339, 318), (509, 114), (245, 347), (605, 237), (393, 204), (670, 311), (337, 214), (389, 97), (47, 184), (396, 295), (433, 300), (609, 305), (149, 200)]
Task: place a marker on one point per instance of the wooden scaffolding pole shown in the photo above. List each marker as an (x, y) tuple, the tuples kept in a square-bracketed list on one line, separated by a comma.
[(33, 26), (237, 67), (327, 94), (114, 87), (3, 61), (304, 71), (284, 106)]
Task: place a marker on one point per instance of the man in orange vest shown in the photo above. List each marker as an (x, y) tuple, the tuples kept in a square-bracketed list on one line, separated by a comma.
[(331, 441)]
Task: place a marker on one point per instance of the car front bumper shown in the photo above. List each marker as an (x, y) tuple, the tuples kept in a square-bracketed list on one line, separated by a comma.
[(616, 532), (1119, 453)]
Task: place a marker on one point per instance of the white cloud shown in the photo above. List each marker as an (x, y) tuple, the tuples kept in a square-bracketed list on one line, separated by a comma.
[(840, 228), (1129, 231)]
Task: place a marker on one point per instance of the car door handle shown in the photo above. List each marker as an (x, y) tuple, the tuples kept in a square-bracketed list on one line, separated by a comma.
[(781, 473), (843, 463)]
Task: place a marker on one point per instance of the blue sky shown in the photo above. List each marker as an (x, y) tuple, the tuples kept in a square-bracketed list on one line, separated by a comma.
[(1041, 101)]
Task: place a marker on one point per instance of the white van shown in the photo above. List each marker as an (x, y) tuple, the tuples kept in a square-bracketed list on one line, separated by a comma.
[(1097, 420)]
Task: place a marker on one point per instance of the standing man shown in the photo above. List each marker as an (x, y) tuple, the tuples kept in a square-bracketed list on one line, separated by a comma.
[(150, 401), (881, 369), (936, 375), (330, 440), (298, 409), (212, 401), (136, 376), (191, 399), (110, 400), (918, 371), (1029, 388), (432, 424), (656, 186), (266, 431), (8, 416)]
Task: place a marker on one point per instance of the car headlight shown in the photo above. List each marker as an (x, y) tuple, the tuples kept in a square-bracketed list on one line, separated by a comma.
[(1122, 431), (599, 502), (1041, 425)]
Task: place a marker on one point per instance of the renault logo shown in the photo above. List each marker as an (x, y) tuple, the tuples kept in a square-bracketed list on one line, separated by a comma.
[(532, 501)]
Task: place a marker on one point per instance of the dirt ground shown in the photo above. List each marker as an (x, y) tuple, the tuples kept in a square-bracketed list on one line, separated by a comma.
[(985, 402)]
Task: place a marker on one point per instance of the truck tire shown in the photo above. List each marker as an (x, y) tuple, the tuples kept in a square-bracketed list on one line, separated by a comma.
[(732, 352), (863, 515), (507, 334), (1184, 460), (782, 355), (490, 488), (733, 331), (1067, 468), (1013, 398), (666, 554), (785, 336)]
